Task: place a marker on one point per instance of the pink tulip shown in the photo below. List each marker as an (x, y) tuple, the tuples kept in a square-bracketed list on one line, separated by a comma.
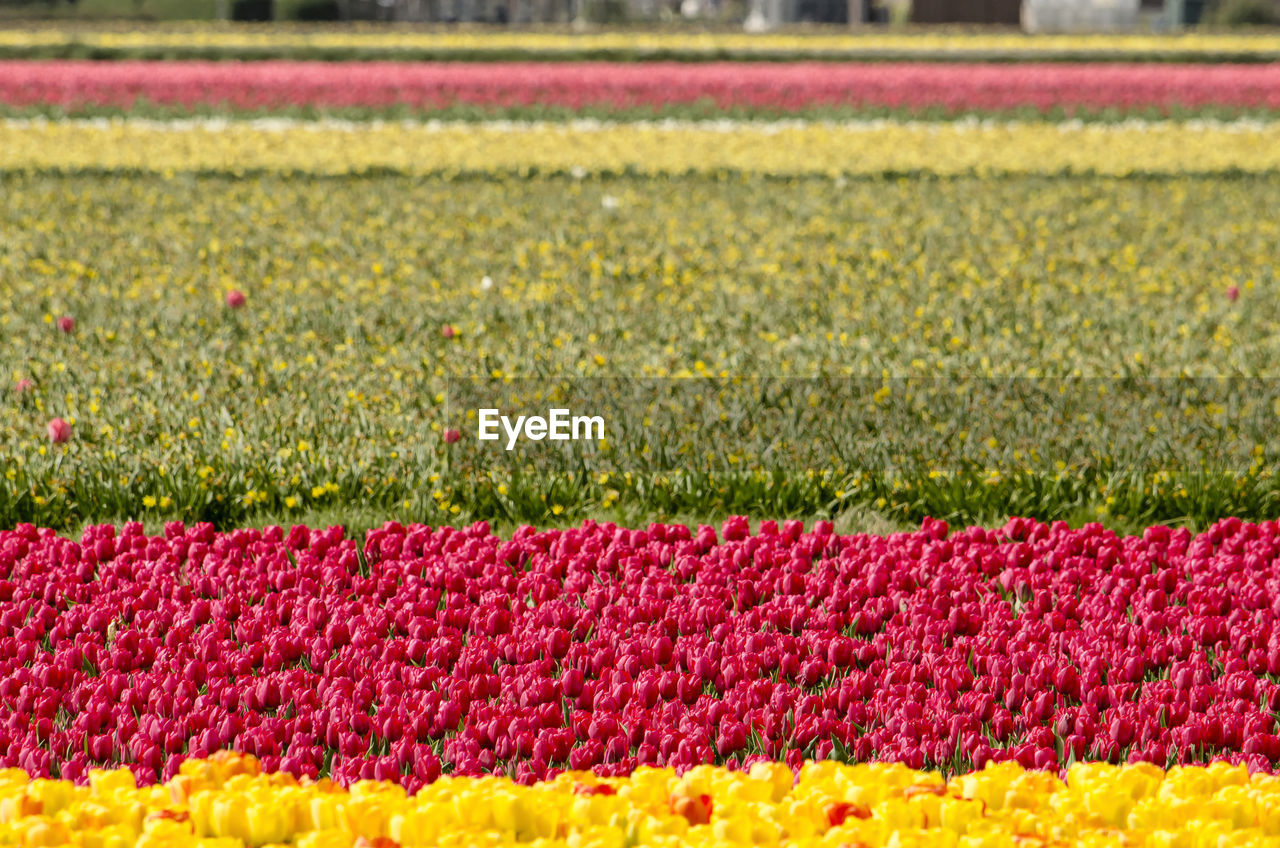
[(451, 436), (66, 324), (235, 298), (59, 431), (24, 384), (448, 331), (1233, 293)]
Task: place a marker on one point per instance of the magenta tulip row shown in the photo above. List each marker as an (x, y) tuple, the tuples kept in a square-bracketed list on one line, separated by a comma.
[(775, 87), (421, 651)]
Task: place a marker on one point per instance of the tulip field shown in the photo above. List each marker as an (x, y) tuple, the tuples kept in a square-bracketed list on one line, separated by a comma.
[(425, 649), (935, 500), (663, 685)]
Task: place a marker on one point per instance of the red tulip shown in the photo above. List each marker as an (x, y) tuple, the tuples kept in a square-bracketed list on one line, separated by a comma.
[(838, 811), (59, 431), (596, 789), (695, 810), (451, 436), (66, 324), (235, 298)]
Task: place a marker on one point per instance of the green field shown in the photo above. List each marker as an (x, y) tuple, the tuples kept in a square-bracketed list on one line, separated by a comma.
[(330, 388)]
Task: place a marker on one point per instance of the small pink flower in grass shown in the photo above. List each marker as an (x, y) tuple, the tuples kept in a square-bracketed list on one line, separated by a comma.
[(24, 385), (451, 436), (235, 298), (1233, 293), (448, 331), (59, 431), (66, 324)]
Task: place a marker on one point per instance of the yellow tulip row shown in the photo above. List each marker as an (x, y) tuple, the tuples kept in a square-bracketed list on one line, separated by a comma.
[(225, 801), (936, 43), (788, 148)]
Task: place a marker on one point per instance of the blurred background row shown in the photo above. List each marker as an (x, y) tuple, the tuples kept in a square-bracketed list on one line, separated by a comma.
[(1030, 15)]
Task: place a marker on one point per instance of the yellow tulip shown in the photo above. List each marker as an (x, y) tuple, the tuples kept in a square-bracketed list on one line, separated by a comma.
[(18, 805), (228, 818), (13, 778), (776, 775), (364, 817), (899, 814), (229, 764), (268, 821), (42, 832), (200, 809), (324, 839), (958, 813), (1269, 818), (321, 812), (105, 783), (1108, 805), (1169, 839), (1140, 780), (52, 795), (112, 836), (412, 828), (160, 833), (748, 790)]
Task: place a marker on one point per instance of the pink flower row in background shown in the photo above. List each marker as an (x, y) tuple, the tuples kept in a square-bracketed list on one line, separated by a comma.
[(426, 650), (779, 87)]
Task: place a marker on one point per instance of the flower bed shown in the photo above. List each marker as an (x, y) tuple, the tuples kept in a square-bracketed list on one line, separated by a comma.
[(650, 88), (656, 148), (227, 801), (425, 651)]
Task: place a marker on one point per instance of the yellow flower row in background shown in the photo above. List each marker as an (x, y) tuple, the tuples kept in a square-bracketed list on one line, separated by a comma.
[(957, 44), (787, 148), (225, 801)]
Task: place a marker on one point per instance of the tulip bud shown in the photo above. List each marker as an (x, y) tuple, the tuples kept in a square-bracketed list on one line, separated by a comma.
[(59, 431)]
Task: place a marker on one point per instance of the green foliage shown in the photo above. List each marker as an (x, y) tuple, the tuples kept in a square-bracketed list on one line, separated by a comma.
[(1236, 13), (143, 10), (606, 11), (327, 394), (314, 10)]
